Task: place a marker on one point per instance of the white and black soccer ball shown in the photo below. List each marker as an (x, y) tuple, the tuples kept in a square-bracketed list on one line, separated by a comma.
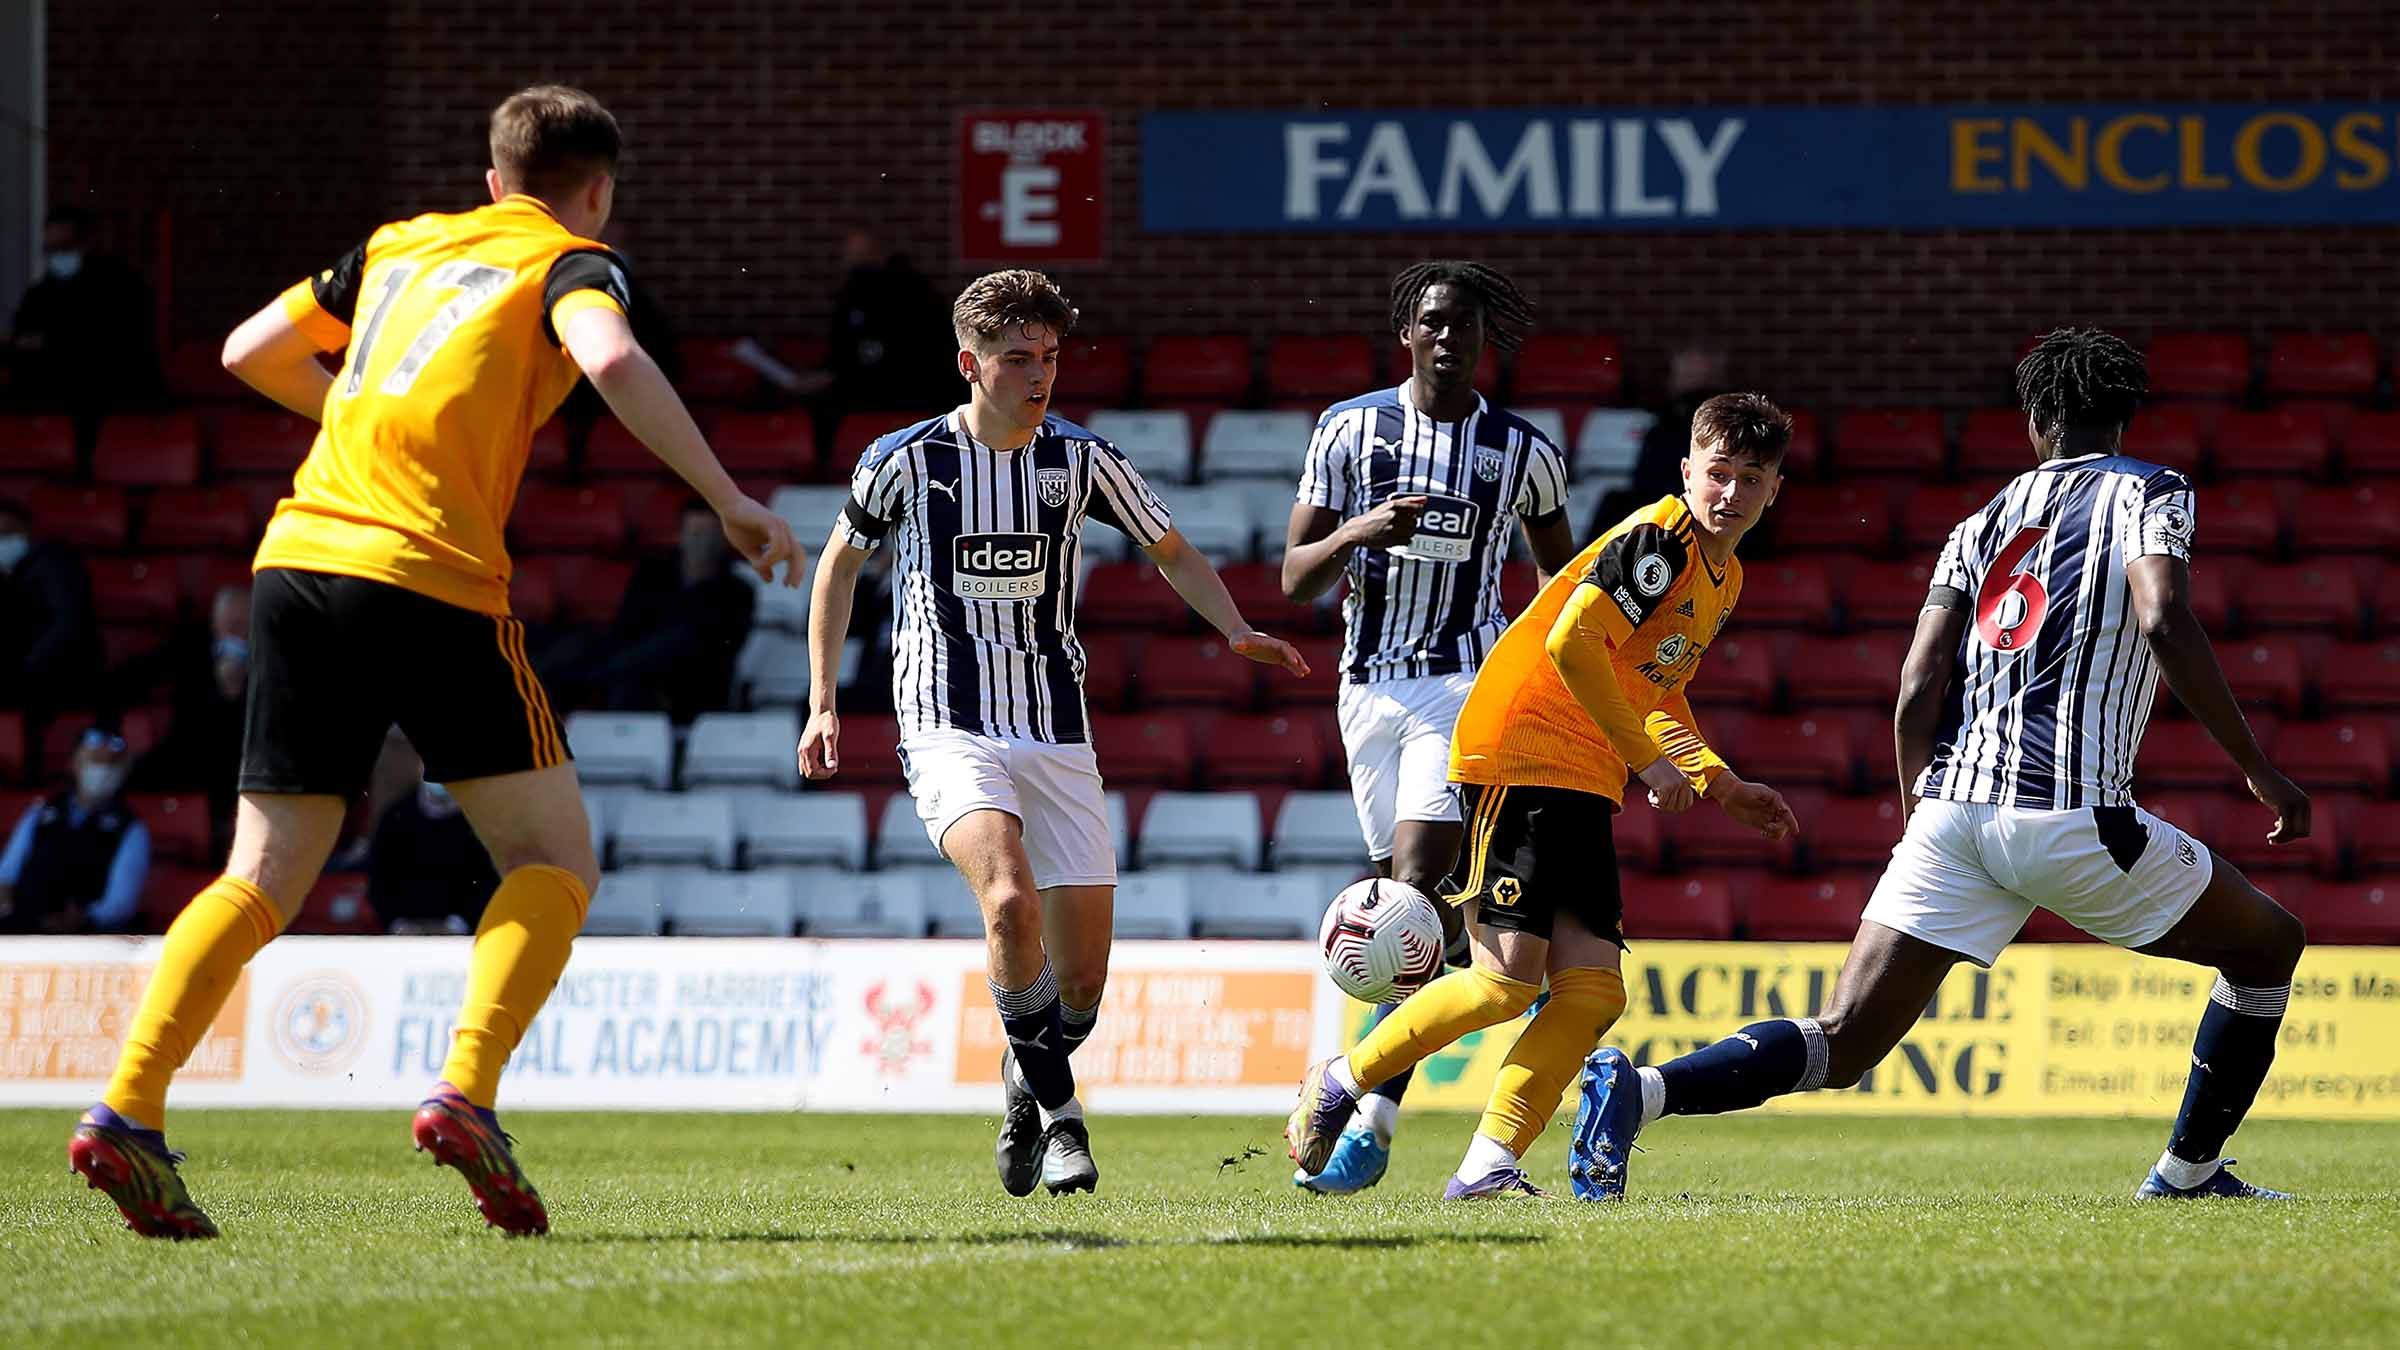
[(1381, 940)]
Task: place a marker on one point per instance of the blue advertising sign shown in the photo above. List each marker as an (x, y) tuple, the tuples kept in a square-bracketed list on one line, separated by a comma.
[(1958, 166)]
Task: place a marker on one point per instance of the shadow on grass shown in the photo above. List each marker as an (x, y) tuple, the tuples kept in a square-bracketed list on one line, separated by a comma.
[(1361, 1241), (1052, 1237)]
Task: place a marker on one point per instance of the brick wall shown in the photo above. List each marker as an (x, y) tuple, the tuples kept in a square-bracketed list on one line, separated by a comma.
[(759, 134)]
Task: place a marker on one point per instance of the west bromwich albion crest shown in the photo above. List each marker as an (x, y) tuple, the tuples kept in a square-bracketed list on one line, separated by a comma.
[(1053, 483), (1488, 463)]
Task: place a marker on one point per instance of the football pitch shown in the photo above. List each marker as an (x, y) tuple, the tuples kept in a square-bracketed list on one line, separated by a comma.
[(891, 1230)]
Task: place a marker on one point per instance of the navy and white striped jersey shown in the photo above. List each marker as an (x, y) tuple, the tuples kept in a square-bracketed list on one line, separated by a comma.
[(2055, 680), (1430, 606), (987, 553)]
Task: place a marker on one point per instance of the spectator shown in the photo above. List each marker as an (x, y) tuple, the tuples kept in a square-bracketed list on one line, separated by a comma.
[(77, 860), (86, 339), (210, 676), (49, 640), (891, 347), (1696, 373), (676, 635), (427, 871)]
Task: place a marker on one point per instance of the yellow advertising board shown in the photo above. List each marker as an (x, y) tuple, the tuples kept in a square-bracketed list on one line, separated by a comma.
[(2048, 1030)]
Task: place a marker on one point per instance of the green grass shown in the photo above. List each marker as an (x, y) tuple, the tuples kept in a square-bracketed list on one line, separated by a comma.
[(893, 1230)]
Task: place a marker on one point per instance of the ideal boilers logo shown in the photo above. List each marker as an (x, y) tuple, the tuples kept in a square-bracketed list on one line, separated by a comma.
[(319, 1024), (1003, 565)]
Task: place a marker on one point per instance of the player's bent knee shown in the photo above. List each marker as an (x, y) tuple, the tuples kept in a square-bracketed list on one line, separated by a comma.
[(1012, 915), (1080, 986)]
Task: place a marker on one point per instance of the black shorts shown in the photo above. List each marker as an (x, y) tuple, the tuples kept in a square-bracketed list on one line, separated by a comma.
[(1535, 853), (336, 662)]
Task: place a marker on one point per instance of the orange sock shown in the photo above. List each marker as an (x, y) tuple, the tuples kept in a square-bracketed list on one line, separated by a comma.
[(1585, 1001), (206, 948), (520, 948), (1435, 1017)]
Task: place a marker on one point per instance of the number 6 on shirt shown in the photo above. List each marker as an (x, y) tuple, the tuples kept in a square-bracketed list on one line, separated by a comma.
[(2010, 606)]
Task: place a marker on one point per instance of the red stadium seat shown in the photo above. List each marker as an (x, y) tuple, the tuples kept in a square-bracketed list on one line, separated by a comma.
[(2199, 814), (1794, 592), (2373, 832), (1319, 368), (533, 588), (2244, 842), (1131, 595), (134, 590), (1275, 750), (1861, 669), (148, 450), (12, 748), (2360, 518), (1677, 908), (1520, 582), (1323, 685), (2387, 602), (2241, 518), (87, 517), (805, 353), (1808, 909), (2371, 444), (1737, 672), (1853, 831), (1640, 838), (195, 372), (1803, 750), (711, 374), (1834, 517), (250, 441), (1994, 441), (2361, 677), (1582, 367), (1108, 661), (1887, 595), (1094, 370), (856, 431), (169, 887), (1257, 589), (1934, 510), (337, 907), (2266, 672), (2339, 752), (2199, 365), (2365, 913), (2317, 596), (870, 751), (2283, 442), (42, 444), (2214, 583), (199, 576), (178, 824), (199, 518), (1897, 440), (2044, 926), (2180, 754), (591, 589), (1706, 837), (1206, 368), (610, 447), (2336, 365), (1195, 672), (776, 443), (1805, 456), (1139, 749), (588, 519), (547, 452), (2168, 434), (654, 511)]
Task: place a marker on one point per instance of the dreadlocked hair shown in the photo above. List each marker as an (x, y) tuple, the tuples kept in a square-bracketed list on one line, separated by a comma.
[(1505, 307), (2081, 377)]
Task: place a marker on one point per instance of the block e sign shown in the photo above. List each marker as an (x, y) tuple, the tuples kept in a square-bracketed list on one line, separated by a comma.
[(1032, 185)]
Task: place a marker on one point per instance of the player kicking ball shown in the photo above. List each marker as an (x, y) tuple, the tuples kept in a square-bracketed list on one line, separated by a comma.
[(1410, 495), (2053, 612), (382, 598), (1585, 689), (985, 508)]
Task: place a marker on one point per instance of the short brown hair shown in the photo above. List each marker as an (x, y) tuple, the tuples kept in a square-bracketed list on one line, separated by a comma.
[(549, 140), (998, 301), (1744, 424)]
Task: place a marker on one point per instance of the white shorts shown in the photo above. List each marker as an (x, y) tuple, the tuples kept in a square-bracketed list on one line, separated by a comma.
[(1396, 735), (1967, 875), (1053, 791)]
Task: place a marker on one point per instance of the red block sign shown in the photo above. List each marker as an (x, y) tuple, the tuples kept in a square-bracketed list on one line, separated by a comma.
[(1032, 185)]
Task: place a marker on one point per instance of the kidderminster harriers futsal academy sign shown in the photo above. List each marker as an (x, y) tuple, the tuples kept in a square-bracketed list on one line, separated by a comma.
[(1957, 166)]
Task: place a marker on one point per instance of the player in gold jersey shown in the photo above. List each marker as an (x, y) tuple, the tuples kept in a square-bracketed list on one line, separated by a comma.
[(1584, 690), (381, 597)]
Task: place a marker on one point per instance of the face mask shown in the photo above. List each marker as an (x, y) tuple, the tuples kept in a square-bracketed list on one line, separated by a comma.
[(65, 263), (435, 801), (99, 782), (13, 548), (233, 649)]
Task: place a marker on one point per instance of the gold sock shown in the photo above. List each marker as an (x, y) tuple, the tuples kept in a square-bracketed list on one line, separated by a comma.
[(1585, 1002), (520, 948), (206, 948), (1435, 1016)]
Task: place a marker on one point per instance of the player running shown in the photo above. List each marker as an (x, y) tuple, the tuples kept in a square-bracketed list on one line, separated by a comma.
[(1585, 688), (2053, 612), (1410, 494), (985, 508), (382, 597)]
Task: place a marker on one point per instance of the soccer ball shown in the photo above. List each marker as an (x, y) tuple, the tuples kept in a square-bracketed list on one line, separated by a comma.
[(1381, 939)]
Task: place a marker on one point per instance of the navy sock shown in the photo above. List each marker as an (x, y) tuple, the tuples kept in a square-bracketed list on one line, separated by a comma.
[(1030, 1018), (1075, 1024), (2230, 1056), (1761, 1061), (1396, 1086)]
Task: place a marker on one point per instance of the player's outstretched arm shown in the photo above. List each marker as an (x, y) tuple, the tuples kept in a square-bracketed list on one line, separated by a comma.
[(272, 355), (1188, 570), (2161, 588), (1925, 676), (830, 595)]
